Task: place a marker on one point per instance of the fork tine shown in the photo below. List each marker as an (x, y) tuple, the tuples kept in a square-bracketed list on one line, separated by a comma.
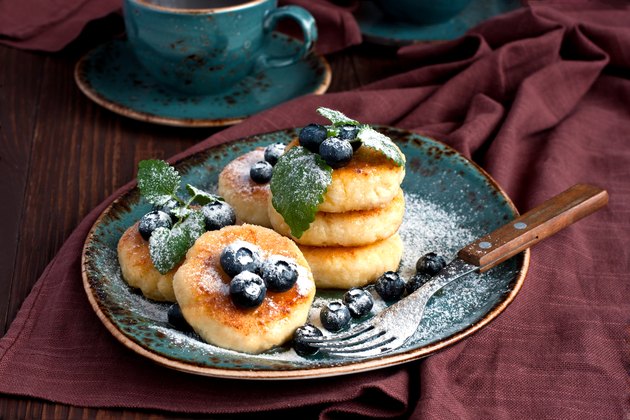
[(353, 332), (354, 341), (363, 348)]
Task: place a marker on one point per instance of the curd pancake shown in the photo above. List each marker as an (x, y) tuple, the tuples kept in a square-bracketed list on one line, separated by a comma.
[(347, 267), (202, 290), (138, 270), (248, 198), (352, 228), (370, 180)]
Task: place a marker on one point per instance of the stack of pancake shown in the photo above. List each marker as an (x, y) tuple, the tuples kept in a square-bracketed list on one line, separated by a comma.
[(354, 237)]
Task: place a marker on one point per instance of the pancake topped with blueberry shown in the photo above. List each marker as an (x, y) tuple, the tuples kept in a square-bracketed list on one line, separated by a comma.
[(336, 192), (245, 288)]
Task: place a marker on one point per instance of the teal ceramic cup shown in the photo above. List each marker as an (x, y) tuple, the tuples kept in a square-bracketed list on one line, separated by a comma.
[(201, 47), (423, 12)]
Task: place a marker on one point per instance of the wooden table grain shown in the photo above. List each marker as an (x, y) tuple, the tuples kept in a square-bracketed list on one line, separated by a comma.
[(61, 155)]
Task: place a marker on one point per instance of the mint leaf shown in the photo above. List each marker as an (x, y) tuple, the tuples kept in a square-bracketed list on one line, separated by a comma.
[(194, 225), (158, 182), (168, 247), (164, 254), (181, 212), (300, 180), (200, 196), (336, 117), (381, 143)]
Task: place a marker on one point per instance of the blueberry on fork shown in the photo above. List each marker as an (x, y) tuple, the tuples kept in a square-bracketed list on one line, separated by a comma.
[(390, 286), (358, 301), (335, 316), (305, 331), (430, 264)]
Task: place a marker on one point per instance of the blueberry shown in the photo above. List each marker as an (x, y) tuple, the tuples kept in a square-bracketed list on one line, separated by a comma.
[(312, 136), (273, 153), (355, 144), (358, 301), (430, 264), (415, 282), (153, 220), (279, 273), (336, 152), (349, 132), (390, 286), (169, 208), (261, 172), (218, 214), (176, 318), (335, 316), (240, 256), (247, 289), (305, 331)]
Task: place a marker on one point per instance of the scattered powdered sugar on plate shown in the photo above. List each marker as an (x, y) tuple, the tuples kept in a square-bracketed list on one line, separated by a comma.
[(427, 227)]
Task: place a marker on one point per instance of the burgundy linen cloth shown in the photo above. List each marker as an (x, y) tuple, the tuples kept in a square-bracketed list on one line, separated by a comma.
[(541, 99), (50, 25)]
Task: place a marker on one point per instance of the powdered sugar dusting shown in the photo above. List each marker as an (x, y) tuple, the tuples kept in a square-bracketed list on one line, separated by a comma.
[(303, 283), (427, 227)]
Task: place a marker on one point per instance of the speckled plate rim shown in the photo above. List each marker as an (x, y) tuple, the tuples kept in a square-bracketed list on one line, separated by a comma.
[(315, 372), (125, 111)]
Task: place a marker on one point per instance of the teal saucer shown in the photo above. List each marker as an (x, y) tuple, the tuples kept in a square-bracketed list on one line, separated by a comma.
[(380, 29), (111, 76)]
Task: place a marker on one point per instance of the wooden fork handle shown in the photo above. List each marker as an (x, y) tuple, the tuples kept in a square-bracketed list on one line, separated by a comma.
[(532, 227)]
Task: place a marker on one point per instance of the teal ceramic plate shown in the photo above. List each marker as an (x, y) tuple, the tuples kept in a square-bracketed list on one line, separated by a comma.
[(111, 76), (449, 202), (379, 29)]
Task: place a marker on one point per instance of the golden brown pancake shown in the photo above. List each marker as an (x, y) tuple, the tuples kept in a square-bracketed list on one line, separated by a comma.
[(352, 228), (138, 270), (369, 180), (248, 198), (347, 267), (202, 290)]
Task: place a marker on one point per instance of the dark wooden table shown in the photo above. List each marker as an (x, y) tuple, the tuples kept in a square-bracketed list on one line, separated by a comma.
[(61, 155)]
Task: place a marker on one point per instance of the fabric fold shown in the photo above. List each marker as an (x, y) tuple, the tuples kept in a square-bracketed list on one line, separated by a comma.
[(540, 99)]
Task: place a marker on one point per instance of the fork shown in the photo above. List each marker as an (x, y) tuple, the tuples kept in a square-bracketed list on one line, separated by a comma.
[(391, 328)]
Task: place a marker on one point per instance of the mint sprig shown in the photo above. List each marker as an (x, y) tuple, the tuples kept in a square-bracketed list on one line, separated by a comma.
[(300, 180), (336, 117), (168, 247), (201, 197), (159, 184), (368, 136), (381, 143)]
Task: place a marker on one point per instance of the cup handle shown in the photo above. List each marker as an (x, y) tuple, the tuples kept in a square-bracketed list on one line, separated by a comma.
[(309, 31)]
